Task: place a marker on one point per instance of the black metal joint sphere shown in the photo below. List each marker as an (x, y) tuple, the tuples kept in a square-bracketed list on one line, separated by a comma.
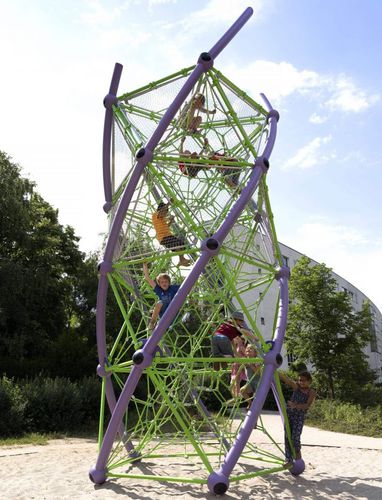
[(141, 153), (205, 56), (138, 357), (212, 244), (279, 359), (220, 488), (266, 161)]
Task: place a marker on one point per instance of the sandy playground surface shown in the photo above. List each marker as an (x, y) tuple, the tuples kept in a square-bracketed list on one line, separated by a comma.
[(338, 466)]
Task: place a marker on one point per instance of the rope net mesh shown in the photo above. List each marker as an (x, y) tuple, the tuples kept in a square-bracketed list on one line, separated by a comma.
[(181, 406)]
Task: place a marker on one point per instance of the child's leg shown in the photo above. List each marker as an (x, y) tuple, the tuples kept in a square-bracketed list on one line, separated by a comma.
[(155, 314), (296, 433)]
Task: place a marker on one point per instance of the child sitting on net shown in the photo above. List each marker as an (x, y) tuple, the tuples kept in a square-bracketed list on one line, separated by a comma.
[(162, 221), (189, 118), (188, 168)]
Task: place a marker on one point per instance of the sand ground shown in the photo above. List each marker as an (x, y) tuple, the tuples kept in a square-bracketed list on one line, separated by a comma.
[(338, 466)]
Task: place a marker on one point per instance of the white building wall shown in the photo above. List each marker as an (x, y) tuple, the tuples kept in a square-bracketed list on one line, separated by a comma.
[(265, 314)]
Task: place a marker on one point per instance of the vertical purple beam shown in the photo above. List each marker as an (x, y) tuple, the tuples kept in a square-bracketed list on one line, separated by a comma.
[(220, 479), (109, 101), (273, 118), (205, 62)]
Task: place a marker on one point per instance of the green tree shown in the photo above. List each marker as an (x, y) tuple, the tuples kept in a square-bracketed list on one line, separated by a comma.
[(323, 329), (47, 289)]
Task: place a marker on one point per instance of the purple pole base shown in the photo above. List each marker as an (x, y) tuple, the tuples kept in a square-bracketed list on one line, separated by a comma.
[(217, 483), (298, 467), (97, 476)]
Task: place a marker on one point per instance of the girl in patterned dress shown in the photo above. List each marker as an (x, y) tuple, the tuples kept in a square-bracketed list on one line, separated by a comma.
[(301, 400)]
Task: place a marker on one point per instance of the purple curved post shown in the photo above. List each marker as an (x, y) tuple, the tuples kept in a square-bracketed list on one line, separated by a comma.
[(273, 118), (109, 100), (271, 364), (106, 266)]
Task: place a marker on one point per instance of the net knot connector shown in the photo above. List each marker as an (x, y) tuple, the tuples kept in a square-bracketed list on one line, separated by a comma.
[(206, 61)]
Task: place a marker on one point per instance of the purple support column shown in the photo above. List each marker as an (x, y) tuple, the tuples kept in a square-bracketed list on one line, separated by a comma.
[(143, 358), (109, 101), (218, 482)]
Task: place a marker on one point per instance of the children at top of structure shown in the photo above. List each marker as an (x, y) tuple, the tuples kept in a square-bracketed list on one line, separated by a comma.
[(162, 221), (301, 400), (189, 117), (188, 168), (164, 290)]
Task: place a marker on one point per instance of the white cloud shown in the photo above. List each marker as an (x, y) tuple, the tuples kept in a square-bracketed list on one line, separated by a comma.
[(281, 80), (276, 80), (317, 119), (309, 156), (351, 253), (347, 97)]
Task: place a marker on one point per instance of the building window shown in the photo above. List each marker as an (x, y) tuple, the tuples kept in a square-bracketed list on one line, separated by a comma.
[(259, 270), (285, 260), (262, 321), (373, 339)]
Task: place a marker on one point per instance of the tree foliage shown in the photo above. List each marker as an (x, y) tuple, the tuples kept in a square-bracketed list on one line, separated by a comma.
[(325, 330), (47, 286)]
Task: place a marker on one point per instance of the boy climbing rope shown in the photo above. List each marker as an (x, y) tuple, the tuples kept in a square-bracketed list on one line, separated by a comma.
[(162, 221)]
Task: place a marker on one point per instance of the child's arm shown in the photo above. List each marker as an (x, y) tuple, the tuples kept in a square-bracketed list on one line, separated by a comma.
[(288, 380), (155, 314), (146, 274)]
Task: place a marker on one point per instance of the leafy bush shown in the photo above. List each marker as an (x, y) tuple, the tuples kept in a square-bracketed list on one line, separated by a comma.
[(52, 405), (346, 417), (12, 406)]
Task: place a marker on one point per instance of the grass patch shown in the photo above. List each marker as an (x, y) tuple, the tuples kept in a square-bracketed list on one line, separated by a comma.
[(33, 438), (348, 418)]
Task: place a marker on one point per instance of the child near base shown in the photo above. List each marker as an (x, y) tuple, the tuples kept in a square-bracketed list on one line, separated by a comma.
[(164, 290), (301, 400)]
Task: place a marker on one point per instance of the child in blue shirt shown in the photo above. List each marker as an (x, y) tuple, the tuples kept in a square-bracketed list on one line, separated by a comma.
[(164, 290)]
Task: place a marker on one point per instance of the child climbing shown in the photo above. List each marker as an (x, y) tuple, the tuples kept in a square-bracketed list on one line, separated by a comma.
[(231, 174), (191, 169), (164, 290), (301, 400), (189, 117), (252, 374), (162, 222), (237, 370), (221, 342)]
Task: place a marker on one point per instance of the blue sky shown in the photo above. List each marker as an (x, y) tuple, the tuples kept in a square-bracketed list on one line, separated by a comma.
[(318, 62)]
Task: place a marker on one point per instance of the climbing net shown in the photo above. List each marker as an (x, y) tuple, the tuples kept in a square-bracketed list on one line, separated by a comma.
[(180, 407)]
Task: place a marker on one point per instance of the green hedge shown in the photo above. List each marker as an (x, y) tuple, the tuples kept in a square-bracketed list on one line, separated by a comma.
[(48, 405), (346, 417)]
